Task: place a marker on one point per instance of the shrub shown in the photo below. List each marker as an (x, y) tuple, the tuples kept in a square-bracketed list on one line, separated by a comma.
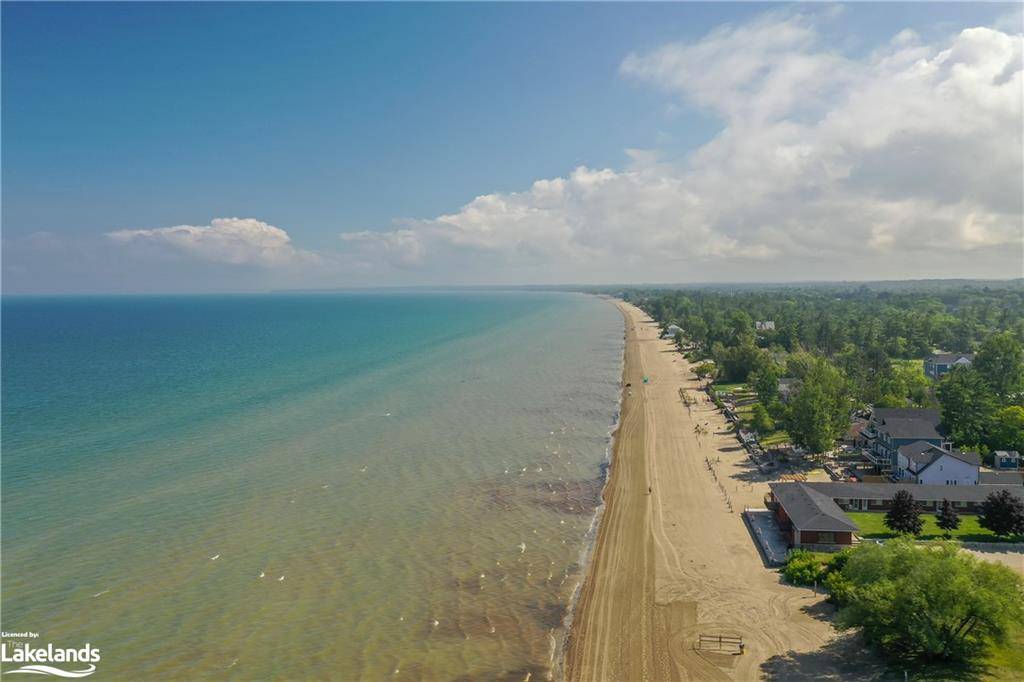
[(803, 568), (840, 589)]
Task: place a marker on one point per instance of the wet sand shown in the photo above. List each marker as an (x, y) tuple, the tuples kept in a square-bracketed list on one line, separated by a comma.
[(671, 560)]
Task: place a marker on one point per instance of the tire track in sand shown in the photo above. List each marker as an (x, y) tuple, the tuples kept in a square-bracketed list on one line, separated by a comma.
[(674, 562)]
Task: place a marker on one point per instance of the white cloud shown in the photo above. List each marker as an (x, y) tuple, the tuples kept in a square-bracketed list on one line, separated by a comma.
[(905, 162), (399, 247), (237, 241)]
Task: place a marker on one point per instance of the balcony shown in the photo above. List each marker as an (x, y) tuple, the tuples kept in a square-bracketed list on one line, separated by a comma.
[(883, 462)]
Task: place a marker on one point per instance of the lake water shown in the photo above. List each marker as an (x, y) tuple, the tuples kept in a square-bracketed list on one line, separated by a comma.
[(394, 486)]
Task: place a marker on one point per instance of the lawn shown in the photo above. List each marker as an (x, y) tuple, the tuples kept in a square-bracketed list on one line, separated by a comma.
[(872, 527), (731, 388), (1007, 662), (744, 412), (775, 438)]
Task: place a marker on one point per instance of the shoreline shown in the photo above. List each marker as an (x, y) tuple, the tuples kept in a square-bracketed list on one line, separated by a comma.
[(584, 595), (590, 537), (671, 560)]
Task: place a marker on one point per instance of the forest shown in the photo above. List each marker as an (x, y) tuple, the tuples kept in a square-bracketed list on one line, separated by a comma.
[(847, 348)]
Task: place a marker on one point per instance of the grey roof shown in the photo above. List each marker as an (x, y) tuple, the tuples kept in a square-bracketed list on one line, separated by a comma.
[(923, 429), (920, 451), (810, 509), (1001, 478), (926, 454), (949, 358), (1012, 454), (884, 491)]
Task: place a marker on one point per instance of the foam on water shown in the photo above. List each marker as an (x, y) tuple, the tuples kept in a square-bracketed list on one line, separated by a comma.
[(415, 478)]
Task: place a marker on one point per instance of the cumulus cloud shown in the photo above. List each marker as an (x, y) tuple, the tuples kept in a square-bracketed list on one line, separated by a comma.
[(402, 248), (236, 241), (826, 165)]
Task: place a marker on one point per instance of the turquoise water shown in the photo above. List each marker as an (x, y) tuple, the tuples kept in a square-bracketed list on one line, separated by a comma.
[(420, 469)]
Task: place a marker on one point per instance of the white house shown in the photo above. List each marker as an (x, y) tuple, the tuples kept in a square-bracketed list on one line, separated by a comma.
[(671, 331), (941, 363), (926, 464)]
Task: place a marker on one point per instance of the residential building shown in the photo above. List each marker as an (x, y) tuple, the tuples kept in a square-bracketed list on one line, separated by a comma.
[(671, 331), (892, 427), (765, 326), (812, 515), (809, 518), (855, 434), (1001, 478), (941, 363), (1006, 460), (926, 464)]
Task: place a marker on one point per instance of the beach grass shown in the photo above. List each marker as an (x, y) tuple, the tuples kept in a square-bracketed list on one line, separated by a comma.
[(872, 527)]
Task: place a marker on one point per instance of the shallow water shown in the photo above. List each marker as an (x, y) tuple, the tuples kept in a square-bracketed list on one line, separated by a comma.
[(420, 469)]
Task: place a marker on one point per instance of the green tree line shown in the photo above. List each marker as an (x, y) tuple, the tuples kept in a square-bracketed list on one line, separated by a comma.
[(849, 348)]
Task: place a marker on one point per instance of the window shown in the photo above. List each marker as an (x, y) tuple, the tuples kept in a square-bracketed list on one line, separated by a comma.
[(826, 538)]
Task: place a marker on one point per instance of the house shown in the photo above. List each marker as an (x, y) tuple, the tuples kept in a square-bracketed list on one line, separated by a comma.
[(812, 515), (926, 464), (854, 435), (671, 331), (766, 326), (809, 518), (892, 427), (941, 363), (1006, 460), (787, 388)]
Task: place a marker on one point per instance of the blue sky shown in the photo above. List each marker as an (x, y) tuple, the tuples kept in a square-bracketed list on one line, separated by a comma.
[(324, 119)]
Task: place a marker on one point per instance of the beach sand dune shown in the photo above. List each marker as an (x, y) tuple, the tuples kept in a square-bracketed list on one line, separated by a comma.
[(671, 561)]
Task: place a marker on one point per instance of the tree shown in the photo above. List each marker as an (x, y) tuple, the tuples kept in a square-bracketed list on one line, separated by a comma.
[(819, 413), (1002, 513), (736, 362), (967, 406), (947, 519), (705, 370), (799, 364), (696, 328), (1000, 362), (765, 382), (930, 602), (890, 400), (1008, 429), (760, 420), (741, 327), (908, 381), (903, 516)]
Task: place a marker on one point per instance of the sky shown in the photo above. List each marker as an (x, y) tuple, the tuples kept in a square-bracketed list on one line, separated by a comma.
[(182, 147)]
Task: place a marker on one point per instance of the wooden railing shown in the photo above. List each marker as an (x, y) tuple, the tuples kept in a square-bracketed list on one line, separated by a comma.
[(720, 643)]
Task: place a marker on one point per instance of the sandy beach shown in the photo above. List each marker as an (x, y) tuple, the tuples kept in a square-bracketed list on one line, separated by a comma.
[(671, 560)]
